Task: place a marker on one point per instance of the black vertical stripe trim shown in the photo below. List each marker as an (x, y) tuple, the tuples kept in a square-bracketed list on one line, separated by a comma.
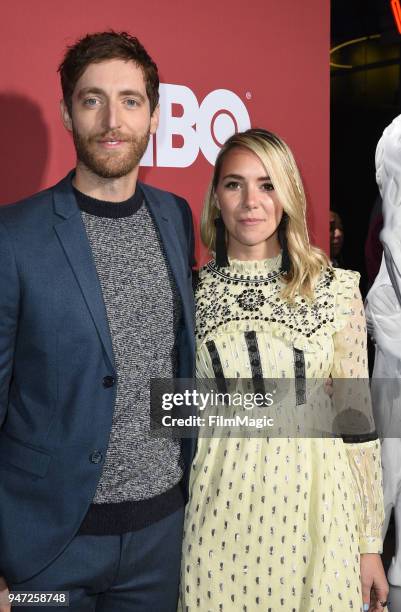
[(255, 361), (217, 366), (300, 377)]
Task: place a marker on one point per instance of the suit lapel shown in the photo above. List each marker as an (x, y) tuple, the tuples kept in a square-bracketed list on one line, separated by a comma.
[(169, 239), (72, 235)]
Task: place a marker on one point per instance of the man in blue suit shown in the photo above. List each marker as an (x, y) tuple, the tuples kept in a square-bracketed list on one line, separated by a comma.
[(95, 299)]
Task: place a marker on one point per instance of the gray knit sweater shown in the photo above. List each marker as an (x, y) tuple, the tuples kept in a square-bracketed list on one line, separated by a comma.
[(143, 310)]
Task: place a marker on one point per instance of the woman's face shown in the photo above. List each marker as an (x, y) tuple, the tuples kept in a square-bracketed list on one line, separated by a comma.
[(249, 206)]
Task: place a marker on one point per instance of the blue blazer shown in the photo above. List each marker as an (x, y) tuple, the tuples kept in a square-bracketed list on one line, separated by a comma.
[(55, 351)]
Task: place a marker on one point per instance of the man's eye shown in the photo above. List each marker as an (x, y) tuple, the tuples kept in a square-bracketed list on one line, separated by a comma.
[(90, 102), (131, 102)]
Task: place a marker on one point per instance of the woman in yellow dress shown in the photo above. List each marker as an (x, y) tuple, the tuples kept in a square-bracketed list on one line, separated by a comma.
[(281, 523)]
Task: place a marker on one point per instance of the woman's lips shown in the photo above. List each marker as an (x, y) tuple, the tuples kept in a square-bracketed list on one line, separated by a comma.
[(250, 222)]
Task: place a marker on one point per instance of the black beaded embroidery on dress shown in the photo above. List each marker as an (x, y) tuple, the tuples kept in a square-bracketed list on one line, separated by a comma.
[(255, 361), (254, 354), (218, 303), (250, 299), (300, 377), (217, 366), (232, 276)]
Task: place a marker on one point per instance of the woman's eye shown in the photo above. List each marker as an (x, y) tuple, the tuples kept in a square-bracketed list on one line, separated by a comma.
[(232, 185), (268, 187)]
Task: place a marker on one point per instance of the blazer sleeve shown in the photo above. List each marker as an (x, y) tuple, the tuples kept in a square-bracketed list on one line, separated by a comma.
[(9, 308)]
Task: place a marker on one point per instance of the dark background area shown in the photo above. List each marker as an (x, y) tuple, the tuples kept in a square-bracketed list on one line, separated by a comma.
[(365, 97)]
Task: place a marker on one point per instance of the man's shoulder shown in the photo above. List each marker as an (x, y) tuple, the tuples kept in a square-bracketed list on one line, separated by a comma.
[(163, 195), (27, 207), (37, 208)]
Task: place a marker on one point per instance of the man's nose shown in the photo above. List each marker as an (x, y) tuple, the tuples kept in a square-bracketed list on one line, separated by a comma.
[(111, 116)]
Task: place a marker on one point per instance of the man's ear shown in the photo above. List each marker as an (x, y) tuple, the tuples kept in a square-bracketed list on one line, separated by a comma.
[(154, 119), (65, 116)]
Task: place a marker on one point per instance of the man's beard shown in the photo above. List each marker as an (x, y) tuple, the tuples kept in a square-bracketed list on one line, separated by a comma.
[(113, 164)]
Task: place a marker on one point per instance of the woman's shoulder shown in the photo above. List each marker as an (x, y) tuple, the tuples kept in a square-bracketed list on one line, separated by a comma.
[(208, 274), (346, 277), (338, 290), (207, 267), (337, 281)]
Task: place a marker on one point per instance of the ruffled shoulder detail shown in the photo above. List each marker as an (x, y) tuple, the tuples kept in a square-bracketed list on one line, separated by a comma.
[(229, 303)]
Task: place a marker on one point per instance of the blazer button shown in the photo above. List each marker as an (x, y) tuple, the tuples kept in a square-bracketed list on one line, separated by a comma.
[(108, 381), (96, 457)]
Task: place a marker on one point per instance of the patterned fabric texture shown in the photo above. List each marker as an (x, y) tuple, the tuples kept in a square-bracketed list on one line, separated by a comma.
[(279, 523)]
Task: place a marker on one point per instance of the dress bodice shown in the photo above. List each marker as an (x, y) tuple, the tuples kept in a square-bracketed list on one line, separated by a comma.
[(240, 308)]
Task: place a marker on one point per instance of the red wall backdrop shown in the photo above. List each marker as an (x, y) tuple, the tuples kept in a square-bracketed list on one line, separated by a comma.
[(271, 58)]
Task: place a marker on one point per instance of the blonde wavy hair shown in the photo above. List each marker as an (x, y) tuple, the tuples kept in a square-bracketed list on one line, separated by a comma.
[(306, 260)]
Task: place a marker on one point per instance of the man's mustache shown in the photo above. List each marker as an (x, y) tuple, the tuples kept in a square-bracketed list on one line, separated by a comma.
[(111, 136)]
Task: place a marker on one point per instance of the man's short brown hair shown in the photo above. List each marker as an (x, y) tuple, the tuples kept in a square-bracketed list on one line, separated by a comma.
[(102, 46)]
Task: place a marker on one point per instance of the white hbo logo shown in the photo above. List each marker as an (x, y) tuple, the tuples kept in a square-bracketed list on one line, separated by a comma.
[(202, 127)]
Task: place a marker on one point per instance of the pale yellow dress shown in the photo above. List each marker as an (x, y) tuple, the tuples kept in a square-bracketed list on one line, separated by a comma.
[(279, 524)]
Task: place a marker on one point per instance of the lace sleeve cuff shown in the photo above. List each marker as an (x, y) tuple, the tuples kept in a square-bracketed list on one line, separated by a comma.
[(365, 464)]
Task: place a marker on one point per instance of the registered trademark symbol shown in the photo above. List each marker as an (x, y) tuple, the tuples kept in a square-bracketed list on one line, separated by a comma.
[(248, 95)]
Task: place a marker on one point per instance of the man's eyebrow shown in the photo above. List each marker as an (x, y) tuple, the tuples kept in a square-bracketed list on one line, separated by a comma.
[(132, 92), (98, 90), (87, 90)]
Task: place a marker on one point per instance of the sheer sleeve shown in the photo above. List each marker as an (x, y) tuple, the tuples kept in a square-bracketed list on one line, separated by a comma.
[(364, 455)]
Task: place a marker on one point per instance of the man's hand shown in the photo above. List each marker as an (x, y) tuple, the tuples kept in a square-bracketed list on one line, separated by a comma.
[(374, 583), (4, 604)]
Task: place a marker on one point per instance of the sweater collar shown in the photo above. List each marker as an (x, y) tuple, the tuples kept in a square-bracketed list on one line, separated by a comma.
[(111, 210)]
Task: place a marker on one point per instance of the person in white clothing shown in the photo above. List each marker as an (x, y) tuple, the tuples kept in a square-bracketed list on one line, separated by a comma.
[(383, 313)]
